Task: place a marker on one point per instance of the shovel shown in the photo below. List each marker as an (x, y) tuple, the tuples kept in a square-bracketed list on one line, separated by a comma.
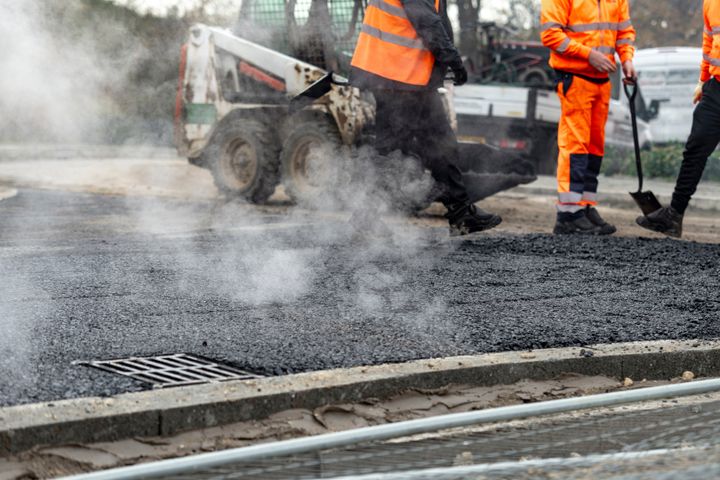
[(313, 92), (647, 201)]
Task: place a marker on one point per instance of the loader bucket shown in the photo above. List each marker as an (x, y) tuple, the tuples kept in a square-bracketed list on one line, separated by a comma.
[(487, 171), (311, 93)]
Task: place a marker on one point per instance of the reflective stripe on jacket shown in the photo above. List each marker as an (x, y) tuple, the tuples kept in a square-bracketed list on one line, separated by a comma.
[(572, 28), (710, 66), (389, 46)]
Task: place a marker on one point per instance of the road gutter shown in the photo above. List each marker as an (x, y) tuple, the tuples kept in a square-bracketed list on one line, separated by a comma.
[(167, 412)]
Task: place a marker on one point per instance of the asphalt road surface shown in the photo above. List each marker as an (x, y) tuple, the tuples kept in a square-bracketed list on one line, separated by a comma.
[(275, 290)]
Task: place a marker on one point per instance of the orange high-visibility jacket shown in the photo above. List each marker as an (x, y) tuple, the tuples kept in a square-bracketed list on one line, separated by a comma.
[(711, 41), (572, 28), (389, 46)]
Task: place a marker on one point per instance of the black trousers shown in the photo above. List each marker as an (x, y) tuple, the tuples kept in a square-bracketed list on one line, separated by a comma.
[(704, 138), (415, 122)]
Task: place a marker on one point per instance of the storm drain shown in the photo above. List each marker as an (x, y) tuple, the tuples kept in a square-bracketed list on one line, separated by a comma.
[(172, 370)]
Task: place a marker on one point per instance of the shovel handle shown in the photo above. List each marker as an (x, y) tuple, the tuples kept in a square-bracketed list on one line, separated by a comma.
[(631, 93), (630, 88)]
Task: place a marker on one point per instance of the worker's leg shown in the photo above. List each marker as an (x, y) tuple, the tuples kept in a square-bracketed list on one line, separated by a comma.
[(703, 139), (596, 151), (574, 131), (573, 143), (394, 116), (437, 146), (372, 177), (596, 147)]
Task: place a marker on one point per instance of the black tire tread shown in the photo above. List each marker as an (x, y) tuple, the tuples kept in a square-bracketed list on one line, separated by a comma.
[(315, 125), (267, 149)]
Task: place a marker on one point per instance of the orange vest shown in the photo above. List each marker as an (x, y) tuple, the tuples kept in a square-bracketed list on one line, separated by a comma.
[(572, 28), (389, 46), (711, 41)]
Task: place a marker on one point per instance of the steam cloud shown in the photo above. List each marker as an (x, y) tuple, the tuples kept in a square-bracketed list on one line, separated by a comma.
[(55, 88), (73, 73)]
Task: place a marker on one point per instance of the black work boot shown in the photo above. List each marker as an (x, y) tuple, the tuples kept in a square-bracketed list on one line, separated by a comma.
[(665, 220), (575, 223), (466, 219), (594, 216)]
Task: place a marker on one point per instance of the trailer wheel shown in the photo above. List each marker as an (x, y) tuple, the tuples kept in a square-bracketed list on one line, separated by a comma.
[(243, 160), (309, 158), (535, 77)]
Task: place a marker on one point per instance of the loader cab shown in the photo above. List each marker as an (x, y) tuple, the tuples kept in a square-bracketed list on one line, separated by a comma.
[(320, 32)]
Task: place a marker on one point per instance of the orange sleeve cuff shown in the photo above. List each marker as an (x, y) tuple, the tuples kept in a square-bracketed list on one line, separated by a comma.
[(584, 51), (626, 56)]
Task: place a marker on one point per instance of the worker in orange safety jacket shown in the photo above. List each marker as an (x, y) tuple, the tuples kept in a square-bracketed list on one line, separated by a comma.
[(403, 51), (704, 135), (584, 36)]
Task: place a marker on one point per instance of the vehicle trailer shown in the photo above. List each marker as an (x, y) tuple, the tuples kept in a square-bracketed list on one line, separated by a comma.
[(232, 113), (525, 119)]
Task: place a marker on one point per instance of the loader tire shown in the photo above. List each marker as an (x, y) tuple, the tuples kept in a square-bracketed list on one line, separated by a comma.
[(309, 159), (243, 159)]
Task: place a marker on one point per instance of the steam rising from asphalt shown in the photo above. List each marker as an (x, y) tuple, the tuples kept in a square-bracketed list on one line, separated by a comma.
[(53, 89), (69, 78), (49, 86)]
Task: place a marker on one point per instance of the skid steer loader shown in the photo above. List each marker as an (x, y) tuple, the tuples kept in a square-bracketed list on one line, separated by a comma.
[(232, 108)]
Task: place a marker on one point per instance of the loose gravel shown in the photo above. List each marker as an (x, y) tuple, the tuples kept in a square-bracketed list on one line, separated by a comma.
[(277, 291)]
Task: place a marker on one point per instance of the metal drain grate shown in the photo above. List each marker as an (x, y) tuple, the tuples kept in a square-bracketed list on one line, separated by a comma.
[(172, 370)]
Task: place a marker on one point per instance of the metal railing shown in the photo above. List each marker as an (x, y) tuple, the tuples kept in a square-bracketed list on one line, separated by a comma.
[(396, 430)]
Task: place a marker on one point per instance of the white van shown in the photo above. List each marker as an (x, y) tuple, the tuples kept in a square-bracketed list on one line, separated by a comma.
[(669, 75)]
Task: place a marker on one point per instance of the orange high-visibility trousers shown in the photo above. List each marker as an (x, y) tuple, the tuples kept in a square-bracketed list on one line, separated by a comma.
[(581, 141)]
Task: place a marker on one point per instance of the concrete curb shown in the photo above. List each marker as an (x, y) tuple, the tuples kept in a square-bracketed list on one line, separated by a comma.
[(166, 412)]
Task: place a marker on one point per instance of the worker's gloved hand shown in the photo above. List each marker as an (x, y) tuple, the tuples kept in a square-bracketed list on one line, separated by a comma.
[(460, 74), (697, 95)]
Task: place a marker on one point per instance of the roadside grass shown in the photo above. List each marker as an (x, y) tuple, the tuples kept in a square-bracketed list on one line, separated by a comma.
[(659, 162)]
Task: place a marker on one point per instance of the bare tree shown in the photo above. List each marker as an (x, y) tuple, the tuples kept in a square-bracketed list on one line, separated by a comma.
[(667, 23), (468, 18)]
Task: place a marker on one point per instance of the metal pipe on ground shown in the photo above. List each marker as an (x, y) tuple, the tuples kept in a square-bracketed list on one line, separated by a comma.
[(205, 461), (515, 467)]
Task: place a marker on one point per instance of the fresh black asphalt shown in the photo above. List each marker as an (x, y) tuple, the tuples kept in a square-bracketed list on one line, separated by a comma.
[(275, 291)]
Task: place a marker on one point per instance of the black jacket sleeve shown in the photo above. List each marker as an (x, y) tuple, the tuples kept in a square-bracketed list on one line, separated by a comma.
[(430, 27)]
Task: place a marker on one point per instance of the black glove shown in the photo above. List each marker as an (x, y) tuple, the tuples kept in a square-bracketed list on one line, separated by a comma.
[(460, 74)]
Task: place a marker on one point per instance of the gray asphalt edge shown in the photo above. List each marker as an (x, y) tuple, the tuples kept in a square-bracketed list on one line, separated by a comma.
[(7, 192), (170, 411)]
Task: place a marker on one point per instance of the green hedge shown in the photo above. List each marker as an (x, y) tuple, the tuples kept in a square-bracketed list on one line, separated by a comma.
[(660, 162)]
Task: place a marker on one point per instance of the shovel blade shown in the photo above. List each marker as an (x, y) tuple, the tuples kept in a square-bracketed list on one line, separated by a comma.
[(647, 201)]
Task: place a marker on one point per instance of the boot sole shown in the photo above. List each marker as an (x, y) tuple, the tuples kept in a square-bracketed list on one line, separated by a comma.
[(585, 233), (458, 232), (655, 227), (608, 230)]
